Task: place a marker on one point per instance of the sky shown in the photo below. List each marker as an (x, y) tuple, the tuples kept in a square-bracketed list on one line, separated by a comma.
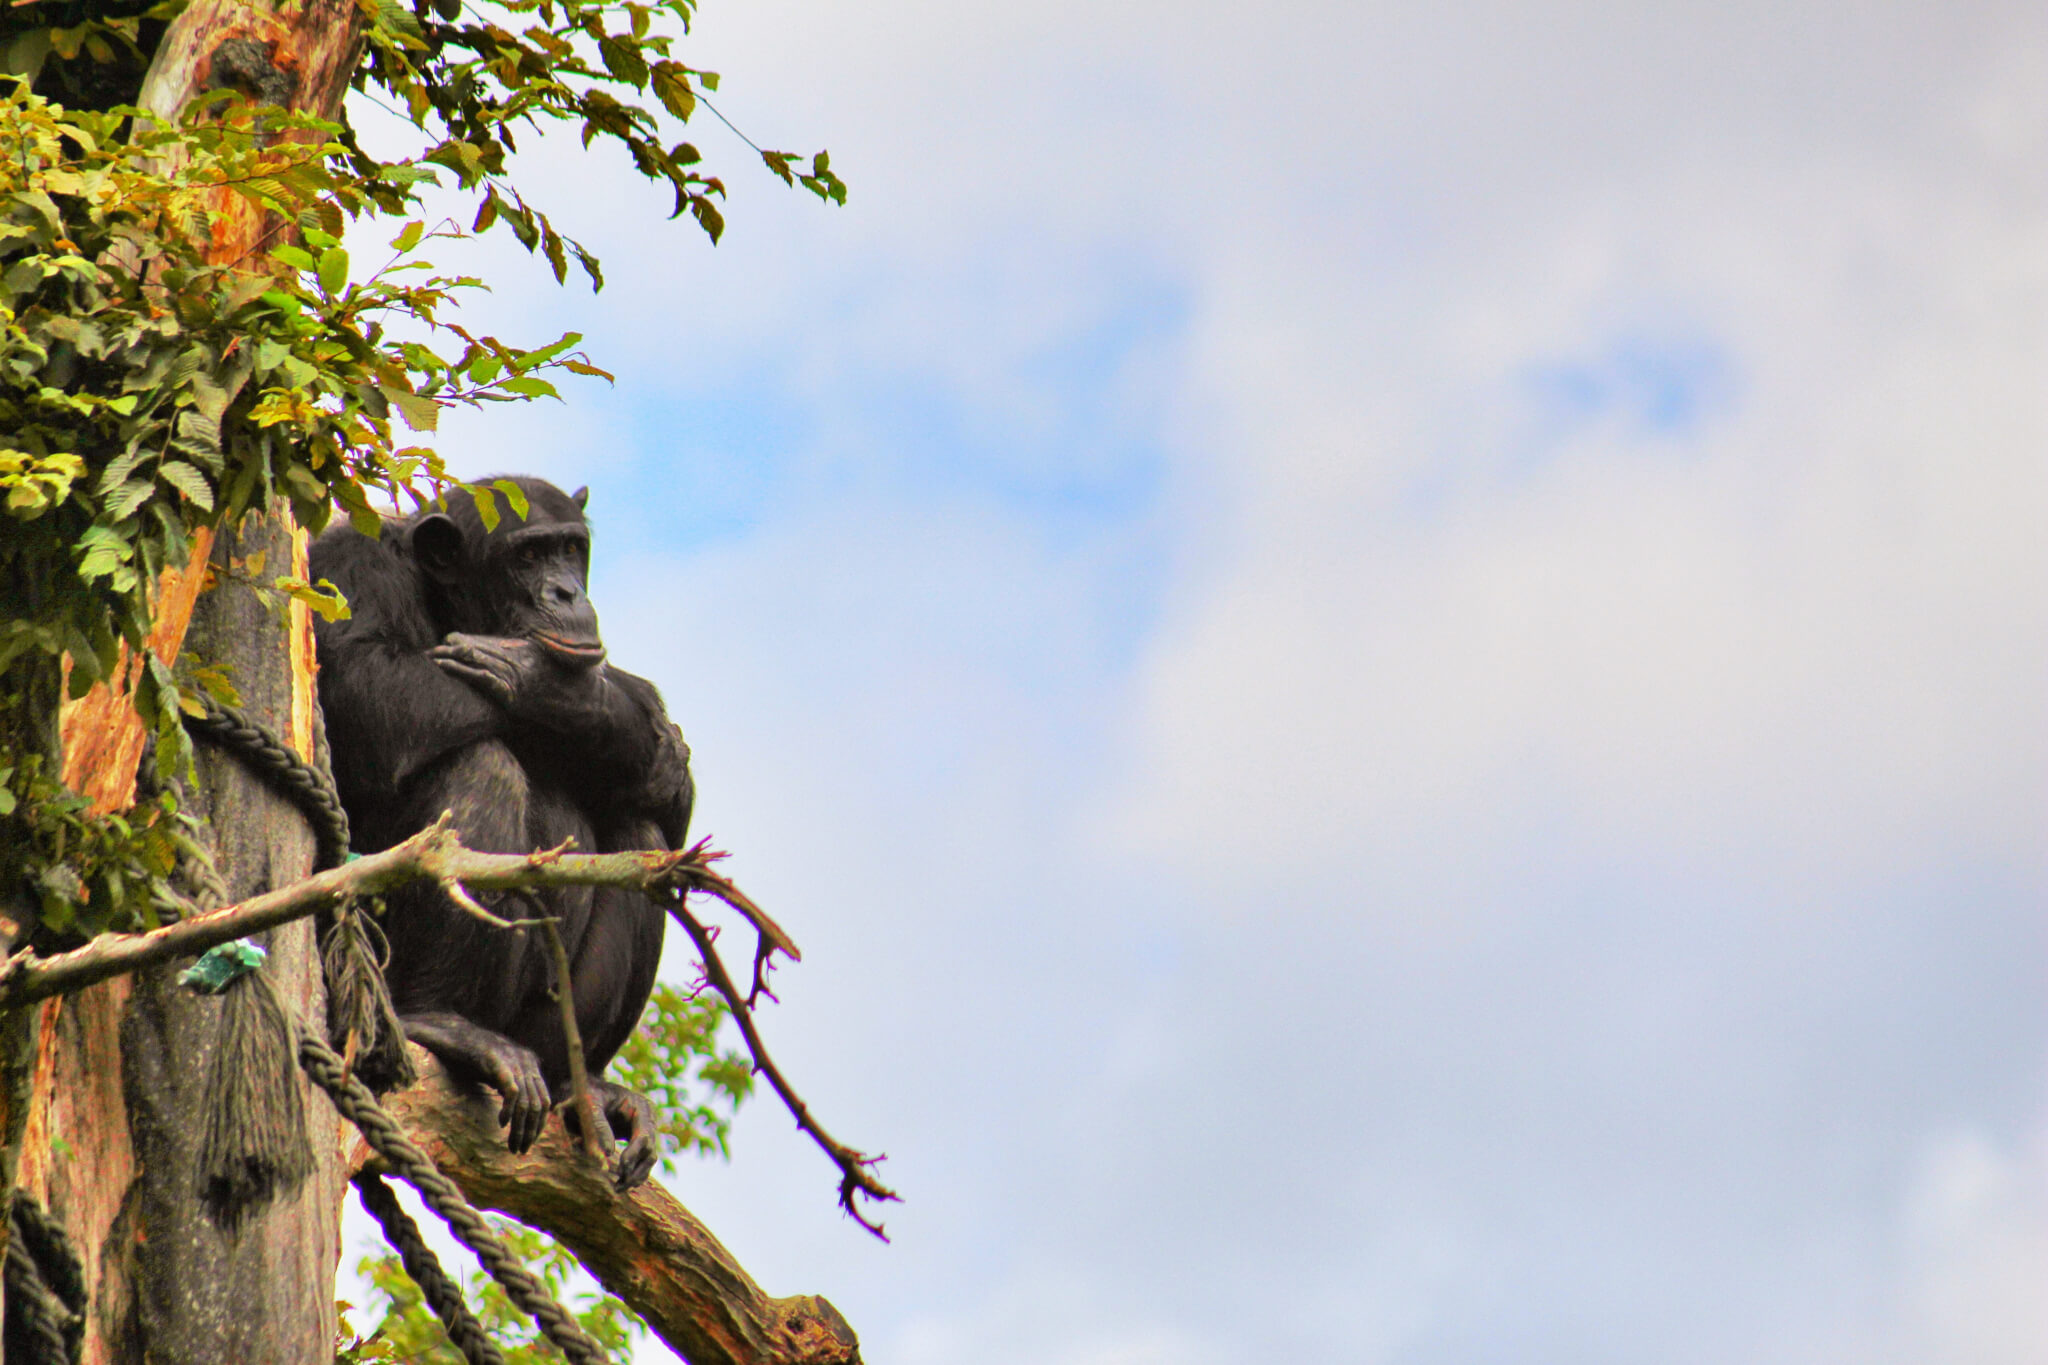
[(1389, 659)]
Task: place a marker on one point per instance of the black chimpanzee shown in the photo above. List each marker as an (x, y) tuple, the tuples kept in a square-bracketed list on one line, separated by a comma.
[(470, 677)]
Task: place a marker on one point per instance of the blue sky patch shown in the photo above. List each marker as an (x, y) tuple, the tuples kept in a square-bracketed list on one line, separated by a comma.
[(1646, 385)]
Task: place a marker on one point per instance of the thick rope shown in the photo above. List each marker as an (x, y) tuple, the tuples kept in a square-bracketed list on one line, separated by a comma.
[(441, 1292), (356, 1104), (362, 1024), (360, 1019), (45, 1288), (307, 787), (311, 789)]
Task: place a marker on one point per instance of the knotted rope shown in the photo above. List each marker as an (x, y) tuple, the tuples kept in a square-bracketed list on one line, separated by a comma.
[(368, 1056), (45, 1288)]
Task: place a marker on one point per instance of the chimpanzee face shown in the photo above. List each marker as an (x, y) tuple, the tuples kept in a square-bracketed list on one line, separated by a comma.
[(523, 579)]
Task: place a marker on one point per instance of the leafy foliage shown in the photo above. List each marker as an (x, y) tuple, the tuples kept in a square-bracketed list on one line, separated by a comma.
[(72, 862), (409, 1331), (474, 81), (148, 387), (146, 390)]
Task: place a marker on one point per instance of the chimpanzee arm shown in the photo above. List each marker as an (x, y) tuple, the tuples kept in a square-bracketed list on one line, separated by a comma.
[(390, 712), (648, 777), (602, 733)]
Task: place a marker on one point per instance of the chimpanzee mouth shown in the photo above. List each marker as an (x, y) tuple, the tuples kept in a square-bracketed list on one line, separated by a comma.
[(586, 652)]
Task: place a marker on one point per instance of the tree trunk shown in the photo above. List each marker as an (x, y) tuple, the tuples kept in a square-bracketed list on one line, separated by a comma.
[(107, 1110), (112, 1141)]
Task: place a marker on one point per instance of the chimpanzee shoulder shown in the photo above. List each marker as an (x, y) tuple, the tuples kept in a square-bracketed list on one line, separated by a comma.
[(387, 598)]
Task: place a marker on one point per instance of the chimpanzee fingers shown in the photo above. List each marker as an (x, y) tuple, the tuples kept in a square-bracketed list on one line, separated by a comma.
[(466, 665), (630, 1116), (535, 1104)]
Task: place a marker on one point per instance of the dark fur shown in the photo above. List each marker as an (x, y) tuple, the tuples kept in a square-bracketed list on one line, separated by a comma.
[(465, 679)]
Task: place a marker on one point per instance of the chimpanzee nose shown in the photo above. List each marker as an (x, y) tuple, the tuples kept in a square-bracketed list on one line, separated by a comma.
[(561, 594)]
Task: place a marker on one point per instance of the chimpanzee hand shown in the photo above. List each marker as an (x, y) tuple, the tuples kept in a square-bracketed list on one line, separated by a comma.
[(631, 1117), (505, 1066), (524, 677)]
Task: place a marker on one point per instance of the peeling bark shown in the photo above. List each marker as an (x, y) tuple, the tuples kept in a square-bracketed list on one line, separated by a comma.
[(102, 1113), (111, 1140)]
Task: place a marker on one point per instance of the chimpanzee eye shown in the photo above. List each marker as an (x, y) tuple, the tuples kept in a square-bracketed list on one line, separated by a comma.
[(530, 555)]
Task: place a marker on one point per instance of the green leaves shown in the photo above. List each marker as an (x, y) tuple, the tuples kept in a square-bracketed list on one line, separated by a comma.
[(36, 484), (188, 481), (515, 495), (147, 389), (333, 271), (819, 180), (580, 62), (102, 551), (322, 597), (672, 87)]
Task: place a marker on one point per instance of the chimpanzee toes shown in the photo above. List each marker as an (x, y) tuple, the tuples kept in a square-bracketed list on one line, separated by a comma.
[(534, 1105), (526, 1099), (636, 1163)]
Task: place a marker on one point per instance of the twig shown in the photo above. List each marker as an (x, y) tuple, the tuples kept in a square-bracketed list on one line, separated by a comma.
[(854, 1175), (596, 1141), (701, 877)]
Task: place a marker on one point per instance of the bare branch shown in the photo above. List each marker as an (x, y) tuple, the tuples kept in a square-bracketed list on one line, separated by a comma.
[(597, 1133), (855, 1175), (435, 853), (701, 877)]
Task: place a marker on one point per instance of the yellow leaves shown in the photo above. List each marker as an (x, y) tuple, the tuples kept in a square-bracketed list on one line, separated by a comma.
[(278, 406), (323, 597), (421, 414), (35, 483)]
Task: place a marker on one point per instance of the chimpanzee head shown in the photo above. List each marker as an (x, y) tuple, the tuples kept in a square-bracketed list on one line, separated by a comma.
[(524, 578)]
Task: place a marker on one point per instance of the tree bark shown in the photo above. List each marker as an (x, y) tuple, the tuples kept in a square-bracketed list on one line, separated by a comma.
[(112, 1142), (642, 1245), (105, 1122)]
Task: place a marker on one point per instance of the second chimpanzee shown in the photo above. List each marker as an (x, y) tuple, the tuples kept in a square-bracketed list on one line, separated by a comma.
[(470, 677)]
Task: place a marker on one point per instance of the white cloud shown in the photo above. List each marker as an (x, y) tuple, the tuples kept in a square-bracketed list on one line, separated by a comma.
[(1457, 868), (1976, 1253), (1816, 616)]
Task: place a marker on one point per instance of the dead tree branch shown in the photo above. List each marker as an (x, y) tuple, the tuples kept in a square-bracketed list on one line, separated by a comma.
[(437, 853), (856, 1174)]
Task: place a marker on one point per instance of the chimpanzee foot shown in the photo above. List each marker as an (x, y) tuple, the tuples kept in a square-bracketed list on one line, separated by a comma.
[(492, 1058), (631, 1118)]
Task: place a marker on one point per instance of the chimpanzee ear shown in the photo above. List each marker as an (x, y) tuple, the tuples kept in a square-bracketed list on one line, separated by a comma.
[(581, 497), (437, 544)]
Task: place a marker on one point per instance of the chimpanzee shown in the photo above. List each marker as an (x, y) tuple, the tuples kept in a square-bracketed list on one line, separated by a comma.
[(469, 677)]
